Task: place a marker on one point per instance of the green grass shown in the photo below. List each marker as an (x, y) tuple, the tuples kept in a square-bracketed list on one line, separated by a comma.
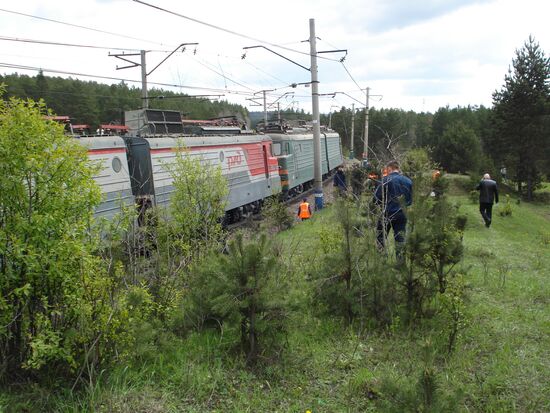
[(508, 342), (501, 363)]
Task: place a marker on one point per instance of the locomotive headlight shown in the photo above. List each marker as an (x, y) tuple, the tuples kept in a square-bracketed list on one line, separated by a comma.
[(116, 164)]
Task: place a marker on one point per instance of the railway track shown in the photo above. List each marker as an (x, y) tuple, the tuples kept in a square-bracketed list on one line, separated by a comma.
[(253, 220)]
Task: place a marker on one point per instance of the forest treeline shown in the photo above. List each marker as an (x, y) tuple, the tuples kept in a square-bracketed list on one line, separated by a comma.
[(92, 103)]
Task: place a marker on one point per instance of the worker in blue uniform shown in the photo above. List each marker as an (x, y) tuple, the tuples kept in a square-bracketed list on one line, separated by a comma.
[(392, 192)]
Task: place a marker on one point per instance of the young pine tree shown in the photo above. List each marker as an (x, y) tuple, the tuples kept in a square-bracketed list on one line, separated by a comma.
[(242, 290)]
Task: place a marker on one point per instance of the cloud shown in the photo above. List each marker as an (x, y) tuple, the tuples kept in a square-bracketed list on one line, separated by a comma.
[(398, 14), (417, 54), (375, 17)]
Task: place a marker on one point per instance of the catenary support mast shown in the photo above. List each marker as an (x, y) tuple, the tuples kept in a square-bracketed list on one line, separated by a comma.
[(352, 130), (318, 176), (366, 147)]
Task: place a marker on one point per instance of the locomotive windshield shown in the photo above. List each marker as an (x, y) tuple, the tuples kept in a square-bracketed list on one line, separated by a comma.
[(276, 149)]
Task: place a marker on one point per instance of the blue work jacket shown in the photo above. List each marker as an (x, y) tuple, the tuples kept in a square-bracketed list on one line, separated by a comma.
[(390, 190)]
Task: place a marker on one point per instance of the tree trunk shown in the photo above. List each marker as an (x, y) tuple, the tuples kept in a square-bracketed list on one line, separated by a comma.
[(530, 184), (252, 345)]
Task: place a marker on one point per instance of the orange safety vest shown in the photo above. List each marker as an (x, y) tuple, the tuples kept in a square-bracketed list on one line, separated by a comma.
[(304, 211)]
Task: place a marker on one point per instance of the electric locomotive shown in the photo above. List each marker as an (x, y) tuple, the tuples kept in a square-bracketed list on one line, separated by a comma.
[(139, 162), (135, 167), (294, 152)]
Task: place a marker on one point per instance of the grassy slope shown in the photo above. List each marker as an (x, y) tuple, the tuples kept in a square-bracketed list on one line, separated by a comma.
[(502, 361), (508, 342)]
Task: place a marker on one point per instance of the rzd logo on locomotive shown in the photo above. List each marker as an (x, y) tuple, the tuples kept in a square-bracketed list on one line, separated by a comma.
[(235, 160)]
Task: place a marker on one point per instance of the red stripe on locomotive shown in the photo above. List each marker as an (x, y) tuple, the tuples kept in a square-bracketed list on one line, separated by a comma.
[(108, 150), (254, 156)]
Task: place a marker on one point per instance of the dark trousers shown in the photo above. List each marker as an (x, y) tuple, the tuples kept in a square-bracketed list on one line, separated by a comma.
[(486, 209), (398, 223)]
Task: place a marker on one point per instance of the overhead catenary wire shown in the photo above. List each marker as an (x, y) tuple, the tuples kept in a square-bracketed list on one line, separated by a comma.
[(202, 63), (258, 69), (97, 30), (46, 70), (180, 86), (213, 26), (221, 69), (87, 46), (208, 66), (119, 79), (351, 77), (264, 72), (82, 27), (345, 68)]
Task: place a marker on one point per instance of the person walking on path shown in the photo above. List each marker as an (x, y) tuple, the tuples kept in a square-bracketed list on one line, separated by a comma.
[(488, 193), (388, 193), (304, 210)]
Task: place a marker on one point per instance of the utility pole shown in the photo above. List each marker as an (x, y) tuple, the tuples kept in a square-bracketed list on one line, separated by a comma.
[(144, 81), (260, 104), (318, 180), (317, 166), (124, 56), (265, 112), (366, 147), (279, 112), (352, 129)]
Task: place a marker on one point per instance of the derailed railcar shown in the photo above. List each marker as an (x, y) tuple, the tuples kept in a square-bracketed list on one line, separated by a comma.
[(294, 152)]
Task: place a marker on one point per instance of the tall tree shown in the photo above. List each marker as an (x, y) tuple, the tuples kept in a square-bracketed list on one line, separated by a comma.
[(521, 110), (459, 149)]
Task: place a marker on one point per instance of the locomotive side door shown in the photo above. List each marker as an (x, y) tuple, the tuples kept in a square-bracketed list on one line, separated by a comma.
[(266, 165), (326, 153), (141, 174)]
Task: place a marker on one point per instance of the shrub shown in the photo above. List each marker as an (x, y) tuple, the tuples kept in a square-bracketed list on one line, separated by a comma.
[(354, 281), (453, 309), (506, 210), (277, 215), (198, 202), (473, 195), (423, 394), (55, 305)]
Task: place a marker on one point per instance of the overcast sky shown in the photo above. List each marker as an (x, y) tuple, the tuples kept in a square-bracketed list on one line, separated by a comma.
[(415, 55)]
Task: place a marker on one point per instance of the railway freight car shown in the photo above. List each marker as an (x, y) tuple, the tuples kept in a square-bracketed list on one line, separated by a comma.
[(294, 152)]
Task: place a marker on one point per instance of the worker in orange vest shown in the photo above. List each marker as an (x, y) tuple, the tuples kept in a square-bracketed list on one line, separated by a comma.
[(304, 210)]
